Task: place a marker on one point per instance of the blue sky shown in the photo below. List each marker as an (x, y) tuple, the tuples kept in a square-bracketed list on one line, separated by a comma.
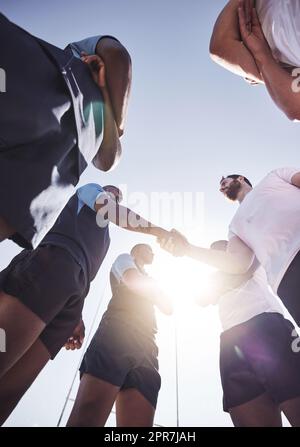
[(189, 123)]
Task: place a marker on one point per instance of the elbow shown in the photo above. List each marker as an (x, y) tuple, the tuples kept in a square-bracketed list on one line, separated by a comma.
[(293, 114), (106, 160), (216, 49), (113, 50)]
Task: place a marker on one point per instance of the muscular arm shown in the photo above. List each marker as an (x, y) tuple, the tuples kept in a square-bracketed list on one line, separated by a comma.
[(110, 150), (226, 47), (236, 260), (118, 75), (148, 289), (126, 218)]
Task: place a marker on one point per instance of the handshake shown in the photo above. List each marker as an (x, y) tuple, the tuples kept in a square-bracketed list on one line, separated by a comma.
[(173, 242)]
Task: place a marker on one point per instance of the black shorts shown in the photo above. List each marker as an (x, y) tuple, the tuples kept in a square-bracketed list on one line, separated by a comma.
[(257, 357), (289, 289), (120, 355), (53, 286)]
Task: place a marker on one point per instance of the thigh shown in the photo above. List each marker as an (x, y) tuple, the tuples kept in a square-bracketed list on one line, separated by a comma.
[(259, 412), (19, 337), (94, 402), (291, 409), (20, 377), (133, 409)]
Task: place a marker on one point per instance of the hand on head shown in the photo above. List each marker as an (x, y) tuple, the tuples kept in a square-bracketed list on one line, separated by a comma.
[(251, 31), (97, 67)]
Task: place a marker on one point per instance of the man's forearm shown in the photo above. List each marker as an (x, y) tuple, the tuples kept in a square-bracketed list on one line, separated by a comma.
[(224, 261), (129, 220), (118, 75), (110, 150), (280, 85)]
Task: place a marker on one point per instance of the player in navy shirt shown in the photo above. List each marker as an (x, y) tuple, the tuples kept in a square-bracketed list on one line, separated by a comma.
[(44, 289), (62, 110)]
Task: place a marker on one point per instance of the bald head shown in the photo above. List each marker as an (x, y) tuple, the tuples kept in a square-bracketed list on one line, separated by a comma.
[(142, 253)]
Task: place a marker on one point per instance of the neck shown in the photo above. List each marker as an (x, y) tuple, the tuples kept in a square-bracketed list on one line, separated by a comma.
[(242, 194), (139, 264)]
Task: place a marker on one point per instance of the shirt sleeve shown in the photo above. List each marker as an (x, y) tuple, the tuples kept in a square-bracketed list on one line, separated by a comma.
[(88, 194), (231, 233), (286, 174), (87, 45), (123, 263)]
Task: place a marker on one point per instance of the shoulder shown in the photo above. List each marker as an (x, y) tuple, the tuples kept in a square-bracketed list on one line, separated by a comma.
[(122, 263)]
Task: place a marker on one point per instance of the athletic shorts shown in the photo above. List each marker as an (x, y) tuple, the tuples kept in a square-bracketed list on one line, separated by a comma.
[(120, 355), (50, 283), (289, 289), (258, 357)]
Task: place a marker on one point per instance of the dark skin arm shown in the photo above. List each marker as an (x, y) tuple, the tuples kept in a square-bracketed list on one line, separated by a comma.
[(110, 150), (126, 218), (77, 338), (119, 75)]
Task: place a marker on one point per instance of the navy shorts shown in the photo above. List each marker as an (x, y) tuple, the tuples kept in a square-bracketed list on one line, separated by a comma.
[(257, 357), (53, 286), (289, 289), (122, 356)]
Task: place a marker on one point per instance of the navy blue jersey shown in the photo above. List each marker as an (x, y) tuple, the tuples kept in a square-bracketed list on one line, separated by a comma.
[(77, 231)]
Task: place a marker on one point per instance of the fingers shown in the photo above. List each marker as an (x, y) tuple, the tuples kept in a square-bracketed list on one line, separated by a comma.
[(248, 5), (242, 21), (254, 17), (167, 244), (73, 343)]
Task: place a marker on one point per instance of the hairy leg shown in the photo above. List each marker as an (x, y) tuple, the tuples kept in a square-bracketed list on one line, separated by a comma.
[(21, 328), (93, 404), (20, 377), (259, 412), (133, 409), (291, 409)]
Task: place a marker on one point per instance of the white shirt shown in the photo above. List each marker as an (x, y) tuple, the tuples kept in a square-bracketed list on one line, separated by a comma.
[(268, 221), (123, 263), (280, 20), (250, 299)]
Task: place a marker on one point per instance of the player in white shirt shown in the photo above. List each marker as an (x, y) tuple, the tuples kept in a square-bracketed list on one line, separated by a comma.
[(262, 45), (121, 363), (259, 369), (266, 226)]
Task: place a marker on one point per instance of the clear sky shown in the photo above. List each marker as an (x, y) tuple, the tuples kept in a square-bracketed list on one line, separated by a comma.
[(189, 123)]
